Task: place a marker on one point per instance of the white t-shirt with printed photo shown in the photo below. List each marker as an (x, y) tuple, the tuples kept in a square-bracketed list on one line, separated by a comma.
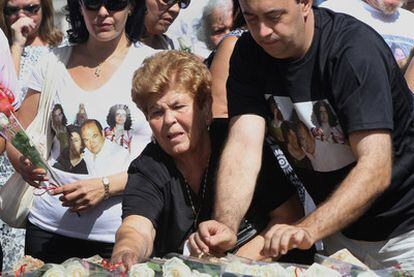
[(105, 131), (396, 29)]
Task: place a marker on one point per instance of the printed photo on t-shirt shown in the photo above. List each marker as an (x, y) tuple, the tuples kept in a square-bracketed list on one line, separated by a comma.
[(88, 147), (400, 47), (119, 125), (309, 133)]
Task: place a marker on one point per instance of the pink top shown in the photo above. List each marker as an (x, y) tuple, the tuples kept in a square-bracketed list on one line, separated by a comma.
[(7, 72)]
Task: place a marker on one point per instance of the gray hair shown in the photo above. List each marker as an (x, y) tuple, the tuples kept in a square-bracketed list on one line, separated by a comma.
[(204, 30)]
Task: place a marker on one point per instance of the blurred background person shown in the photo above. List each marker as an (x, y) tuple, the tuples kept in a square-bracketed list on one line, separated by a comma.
[(387, 17), (219, 60), (8, 80), (217, 20), (160, 14), (97, 68), (184, 29), (30, 30)]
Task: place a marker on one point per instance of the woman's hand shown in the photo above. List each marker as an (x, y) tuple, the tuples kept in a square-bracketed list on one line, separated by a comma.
[(81, 195), (20, 30), (31, 174), (127, 257)]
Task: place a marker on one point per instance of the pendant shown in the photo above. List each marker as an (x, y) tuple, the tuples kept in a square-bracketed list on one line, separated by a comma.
[(98, 71)]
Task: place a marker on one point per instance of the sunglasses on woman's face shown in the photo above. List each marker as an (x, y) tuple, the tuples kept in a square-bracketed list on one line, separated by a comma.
[(110, 5), (27, 10), (181, 3)]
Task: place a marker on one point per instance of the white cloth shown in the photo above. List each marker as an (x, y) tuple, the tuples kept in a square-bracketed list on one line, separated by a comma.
[(101, 222), (7, 72), (183, 31), (378, 254), (111, 153), (396, 29)]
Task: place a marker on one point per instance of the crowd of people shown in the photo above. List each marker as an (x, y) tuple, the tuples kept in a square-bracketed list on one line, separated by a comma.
[(161, 148)]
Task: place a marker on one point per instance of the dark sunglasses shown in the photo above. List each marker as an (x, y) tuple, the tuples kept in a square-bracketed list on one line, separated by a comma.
[(181, 3), (28, 10), (110, 5)]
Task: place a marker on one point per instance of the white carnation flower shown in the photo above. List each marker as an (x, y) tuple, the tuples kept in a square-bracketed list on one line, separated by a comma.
[(55, 271), (175, 268), (76, 269), (317, 270), (271, 270), (195, 273), (141, 270)]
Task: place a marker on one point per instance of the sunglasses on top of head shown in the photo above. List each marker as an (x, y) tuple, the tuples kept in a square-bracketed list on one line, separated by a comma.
[(111, 5), (181, 3), (27, 10)]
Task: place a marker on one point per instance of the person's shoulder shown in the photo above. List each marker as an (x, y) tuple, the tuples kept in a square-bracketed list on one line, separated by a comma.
[(139, 52), (60, 53), (247, 40), (342, 6), (247, 48), (143, 49), (341, 31), (153, 163), (406, 14)]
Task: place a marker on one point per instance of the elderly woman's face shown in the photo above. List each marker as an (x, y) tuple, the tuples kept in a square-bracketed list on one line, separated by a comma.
[(220, 24), (177, 122), (160, 16)]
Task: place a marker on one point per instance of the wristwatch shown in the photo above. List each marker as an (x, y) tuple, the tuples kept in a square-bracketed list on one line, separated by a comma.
[(105, 183)]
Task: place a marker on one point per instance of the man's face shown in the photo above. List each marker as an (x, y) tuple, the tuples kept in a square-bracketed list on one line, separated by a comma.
[(387, 6), (92, 138), (278, 26)]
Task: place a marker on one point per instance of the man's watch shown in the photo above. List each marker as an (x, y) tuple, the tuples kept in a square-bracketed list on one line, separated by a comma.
[(105, 183)]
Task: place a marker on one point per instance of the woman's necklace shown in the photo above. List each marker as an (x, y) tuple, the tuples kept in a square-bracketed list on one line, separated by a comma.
[(203, 192), (98, 69)]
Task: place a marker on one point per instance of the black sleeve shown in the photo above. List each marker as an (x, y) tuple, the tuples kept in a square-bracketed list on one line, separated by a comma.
[(362, 71), (142, 197), (244, 90)]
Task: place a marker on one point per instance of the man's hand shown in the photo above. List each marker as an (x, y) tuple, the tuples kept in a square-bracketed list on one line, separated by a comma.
[(211, 237), (281, 238), (81, 195)]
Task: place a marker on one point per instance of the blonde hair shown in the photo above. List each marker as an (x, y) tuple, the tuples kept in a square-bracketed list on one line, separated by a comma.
[(47, 30), (167, 70)]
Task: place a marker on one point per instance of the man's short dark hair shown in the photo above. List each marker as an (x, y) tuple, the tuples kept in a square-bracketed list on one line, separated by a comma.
[(90, 122)]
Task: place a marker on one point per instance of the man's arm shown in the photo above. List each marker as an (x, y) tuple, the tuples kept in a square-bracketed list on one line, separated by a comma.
[(288, 213), (239, 167), (366, 181), (134, 240)]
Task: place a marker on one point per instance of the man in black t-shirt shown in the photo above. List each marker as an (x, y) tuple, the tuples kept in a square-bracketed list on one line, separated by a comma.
[(337, 77)]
